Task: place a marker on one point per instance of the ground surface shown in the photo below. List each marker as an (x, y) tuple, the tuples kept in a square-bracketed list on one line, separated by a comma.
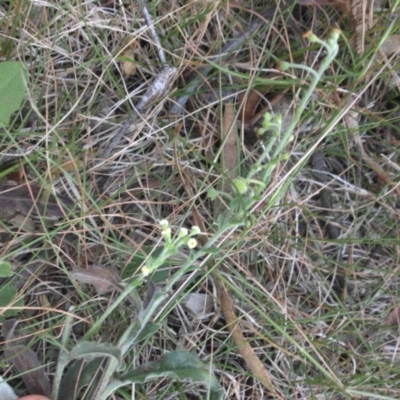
[(309, 268)]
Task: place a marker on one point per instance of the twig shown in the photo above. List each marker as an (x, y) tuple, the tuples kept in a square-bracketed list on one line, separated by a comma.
[(156, 40), (125, 128), (156, 89)]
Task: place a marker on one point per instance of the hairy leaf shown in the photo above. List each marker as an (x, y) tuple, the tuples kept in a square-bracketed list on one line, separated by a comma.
[(79, 374), (179, 364), (91, 350)]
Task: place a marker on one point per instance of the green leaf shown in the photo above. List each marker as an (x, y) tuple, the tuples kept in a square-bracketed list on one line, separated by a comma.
[(13, 82), (134, 331), (79, 374), (149, 330), (7, 295), (90, 350), (5, 269), (179, 364), (211, 250)]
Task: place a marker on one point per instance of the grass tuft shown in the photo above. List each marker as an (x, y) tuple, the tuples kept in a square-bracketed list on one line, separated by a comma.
[(310, 263)]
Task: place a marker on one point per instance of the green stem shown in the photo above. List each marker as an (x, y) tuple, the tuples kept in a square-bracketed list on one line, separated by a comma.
[(303, 103), (63, 356)]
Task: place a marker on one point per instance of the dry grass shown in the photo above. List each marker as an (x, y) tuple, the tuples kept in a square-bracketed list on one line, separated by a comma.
[(312, 306)]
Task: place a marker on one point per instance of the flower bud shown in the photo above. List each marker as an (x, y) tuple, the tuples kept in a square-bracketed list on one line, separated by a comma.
[(183, 232), (164, 224), (240, 185), (195, 230)]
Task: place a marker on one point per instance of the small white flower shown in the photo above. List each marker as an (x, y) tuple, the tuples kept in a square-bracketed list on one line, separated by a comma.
[(195, 230), (164, 224), (145, 270), (183, 232), (192, 243)]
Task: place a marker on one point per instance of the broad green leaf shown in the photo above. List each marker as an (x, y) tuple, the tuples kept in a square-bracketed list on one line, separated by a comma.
[(92, 350), (179, 364), (5, 269), (150, 329), (79, 374), (13, 82), (7, 294)]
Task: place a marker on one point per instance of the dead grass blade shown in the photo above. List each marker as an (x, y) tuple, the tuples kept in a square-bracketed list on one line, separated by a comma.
[(228, 154), (230, 151)]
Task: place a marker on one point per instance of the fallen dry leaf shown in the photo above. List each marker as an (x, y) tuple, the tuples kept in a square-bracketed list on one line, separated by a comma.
[(17, 176), (31, 199), (25, 361), (199, 304), (393, 318), (104, 279), (391, 45), (71, 166), (250, 103), (23, 222), (362, 20), (253, 108), (128, 65)]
